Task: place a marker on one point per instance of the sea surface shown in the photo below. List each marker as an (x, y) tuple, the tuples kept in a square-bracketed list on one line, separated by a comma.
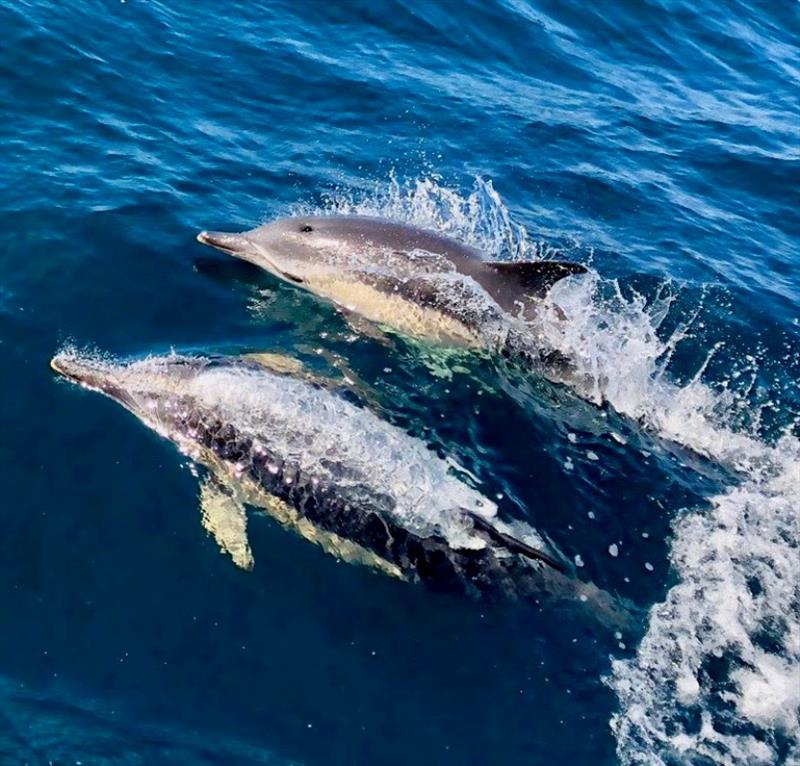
[(655, 141)]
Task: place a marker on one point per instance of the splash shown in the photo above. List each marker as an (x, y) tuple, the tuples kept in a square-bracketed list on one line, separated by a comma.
[(613, 335), (480, 219), (717, 674)]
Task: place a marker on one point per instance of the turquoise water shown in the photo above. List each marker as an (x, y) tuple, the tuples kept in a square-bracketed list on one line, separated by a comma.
[(656, 142)]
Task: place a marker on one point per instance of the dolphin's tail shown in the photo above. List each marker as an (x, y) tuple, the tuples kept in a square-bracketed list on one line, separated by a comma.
[(611, 612)]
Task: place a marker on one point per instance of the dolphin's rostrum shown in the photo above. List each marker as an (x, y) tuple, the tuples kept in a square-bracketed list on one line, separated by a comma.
[(335, 472)]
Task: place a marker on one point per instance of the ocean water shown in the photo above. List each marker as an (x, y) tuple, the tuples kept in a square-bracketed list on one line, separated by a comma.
[(657, 142)]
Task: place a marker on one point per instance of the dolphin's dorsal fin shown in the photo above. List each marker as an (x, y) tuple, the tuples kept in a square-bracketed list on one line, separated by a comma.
[(536, 276), (511, 543)]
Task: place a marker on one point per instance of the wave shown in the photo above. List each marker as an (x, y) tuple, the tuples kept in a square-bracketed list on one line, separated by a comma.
[(59, 726)]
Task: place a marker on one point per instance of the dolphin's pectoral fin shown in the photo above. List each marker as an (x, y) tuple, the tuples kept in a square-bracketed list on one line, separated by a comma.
[(537, 276), (511, 543), (224, 517)]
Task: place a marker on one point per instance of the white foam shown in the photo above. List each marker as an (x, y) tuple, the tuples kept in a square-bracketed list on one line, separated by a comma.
[(736, 605)]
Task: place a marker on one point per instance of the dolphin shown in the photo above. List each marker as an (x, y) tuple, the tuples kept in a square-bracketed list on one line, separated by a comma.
[(413, 281), (269, 437)]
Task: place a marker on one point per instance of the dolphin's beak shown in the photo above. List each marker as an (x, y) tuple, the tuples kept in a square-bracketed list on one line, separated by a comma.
[(88, 372), (235, 244)]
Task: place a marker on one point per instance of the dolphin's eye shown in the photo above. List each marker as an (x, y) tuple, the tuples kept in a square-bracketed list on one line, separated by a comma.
[(307, 228)]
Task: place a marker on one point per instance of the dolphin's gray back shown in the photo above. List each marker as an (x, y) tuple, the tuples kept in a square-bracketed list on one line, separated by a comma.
[(406, 238)]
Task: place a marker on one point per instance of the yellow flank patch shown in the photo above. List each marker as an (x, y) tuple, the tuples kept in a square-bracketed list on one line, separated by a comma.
[(394, 311), (330, 542), (248, 491)]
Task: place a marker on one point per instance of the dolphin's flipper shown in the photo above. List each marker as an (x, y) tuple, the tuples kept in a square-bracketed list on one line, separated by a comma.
[(536, 276), (224, 517), (511, 543)]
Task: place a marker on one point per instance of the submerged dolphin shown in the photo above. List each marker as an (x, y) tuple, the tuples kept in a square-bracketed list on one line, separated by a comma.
[(340, 476), (414, 281)]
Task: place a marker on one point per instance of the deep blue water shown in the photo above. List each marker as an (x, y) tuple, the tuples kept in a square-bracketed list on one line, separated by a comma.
[(657, 141)]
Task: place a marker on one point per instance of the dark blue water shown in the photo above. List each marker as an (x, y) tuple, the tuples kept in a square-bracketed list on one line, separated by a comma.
[(658, 142)]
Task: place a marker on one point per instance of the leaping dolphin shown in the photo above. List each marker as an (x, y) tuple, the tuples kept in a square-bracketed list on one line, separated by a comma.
[(333, 471), (413, 281)]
